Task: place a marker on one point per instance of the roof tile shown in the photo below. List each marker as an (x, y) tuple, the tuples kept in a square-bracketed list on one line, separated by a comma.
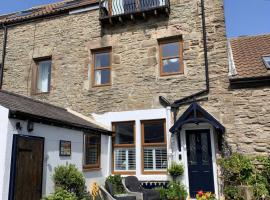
[(247, 54)]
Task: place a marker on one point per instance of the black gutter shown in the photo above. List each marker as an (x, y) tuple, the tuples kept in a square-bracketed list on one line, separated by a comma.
[(249, 82), (192, 98), (54, 122), (3, 55)]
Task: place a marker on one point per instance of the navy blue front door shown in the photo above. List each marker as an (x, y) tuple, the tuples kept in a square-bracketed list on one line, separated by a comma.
[(200, 167)]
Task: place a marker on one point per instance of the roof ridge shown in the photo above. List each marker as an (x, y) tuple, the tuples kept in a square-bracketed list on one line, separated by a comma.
[(34, 100), (250, 36)]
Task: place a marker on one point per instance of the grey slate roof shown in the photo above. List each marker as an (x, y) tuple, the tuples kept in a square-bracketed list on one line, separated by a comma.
[(27, 108)]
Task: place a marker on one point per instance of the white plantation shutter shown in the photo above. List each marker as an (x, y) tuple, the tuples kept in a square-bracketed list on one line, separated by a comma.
[(155, 158), (148, 159), (124, 159), (161, 158)]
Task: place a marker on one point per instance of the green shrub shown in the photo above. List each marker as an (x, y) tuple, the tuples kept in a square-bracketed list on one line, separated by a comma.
[(62, 194), (70, 179), (241, 170), (117, 185), (176, 169), (175, 190)]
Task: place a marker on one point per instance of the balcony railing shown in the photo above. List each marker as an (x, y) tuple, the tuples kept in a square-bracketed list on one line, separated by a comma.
[(119, 10)]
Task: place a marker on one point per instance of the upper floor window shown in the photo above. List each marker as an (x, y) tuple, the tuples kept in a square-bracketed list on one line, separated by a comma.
[(102, 67), (92, 144), (266, 60), (154, 146), (43, 76), (171, 57), (124, 153)]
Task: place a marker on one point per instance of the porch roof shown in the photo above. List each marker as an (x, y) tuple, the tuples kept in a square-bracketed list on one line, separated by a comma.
[(25, 108), (196, 114)]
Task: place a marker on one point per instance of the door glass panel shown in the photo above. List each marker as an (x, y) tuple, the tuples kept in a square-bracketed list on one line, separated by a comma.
[(192, 146), (205, 152)]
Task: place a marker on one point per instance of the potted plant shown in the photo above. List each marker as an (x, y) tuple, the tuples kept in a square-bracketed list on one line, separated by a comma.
[(175, 170)]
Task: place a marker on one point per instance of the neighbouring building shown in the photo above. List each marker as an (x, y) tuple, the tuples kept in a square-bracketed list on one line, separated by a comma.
[(36, 137), (154, 71)]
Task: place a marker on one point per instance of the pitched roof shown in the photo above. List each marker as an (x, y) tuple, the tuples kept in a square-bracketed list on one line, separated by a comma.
[(22, 107), (45, 10), (247, 55)]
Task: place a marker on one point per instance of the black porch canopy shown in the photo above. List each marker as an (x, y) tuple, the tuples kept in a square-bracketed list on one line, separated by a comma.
[(196, 114)]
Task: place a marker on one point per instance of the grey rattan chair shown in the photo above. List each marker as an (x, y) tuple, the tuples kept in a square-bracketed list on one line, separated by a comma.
[(133, 186)]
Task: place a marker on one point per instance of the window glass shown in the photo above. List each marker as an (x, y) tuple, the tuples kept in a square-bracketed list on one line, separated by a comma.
[(102, 60), (266, 60), (170, 58), (124, 133), (170, 49), (92, 150), (171, 65), (44, 76), (154, 132), (102, 68), (102, 77)]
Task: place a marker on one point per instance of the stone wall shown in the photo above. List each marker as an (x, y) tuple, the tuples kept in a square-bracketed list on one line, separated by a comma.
[(136, 83)]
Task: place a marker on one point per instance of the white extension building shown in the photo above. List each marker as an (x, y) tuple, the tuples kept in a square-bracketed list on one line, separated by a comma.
[(36, 137)]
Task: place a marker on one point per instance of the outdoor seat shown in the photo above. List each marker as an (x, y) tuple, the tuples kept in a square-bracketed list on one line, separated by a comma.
[(108, 195), (133, 186)]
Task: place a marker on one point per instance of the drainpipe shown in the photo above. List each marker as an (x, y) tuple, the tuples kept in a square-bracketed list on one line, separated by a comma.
[(184, 100), (3, 55), (192, 98)]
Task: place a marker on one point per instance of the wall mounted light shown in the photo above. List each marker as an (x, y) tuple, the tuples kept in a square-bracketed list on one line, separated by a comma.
[(18, 126), (30, 126)]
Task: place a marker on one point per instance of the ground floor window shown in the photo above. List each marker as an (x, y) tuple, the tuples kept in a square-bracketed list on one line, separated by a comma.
[(92, 143), (124, 152), (154, 146)]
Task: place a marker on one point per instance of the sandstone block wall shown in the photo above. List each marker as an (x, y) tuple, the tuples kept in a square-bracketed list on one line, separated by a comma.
[(136, 83)]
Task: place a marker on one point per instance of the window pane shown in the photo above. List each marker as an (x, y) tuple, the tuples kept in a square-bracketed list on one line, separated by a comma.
[(44, 75), (148, 159), (92, 149), (154, 132), (161, 158), (124, 159), (171, 65), (102, 60), (120, 159), (170, 49), (124, 133), (155, 158), (102, 76)]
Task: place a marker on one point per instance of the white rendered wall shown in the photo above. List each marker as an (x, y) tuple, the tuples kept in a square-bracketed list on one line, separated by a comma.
[(52, 159), (4, 158), (137, 116)]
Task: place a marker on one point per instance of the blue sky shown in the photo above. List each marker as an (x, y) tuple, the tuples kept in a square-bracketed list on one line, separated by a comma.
[(243, 17)]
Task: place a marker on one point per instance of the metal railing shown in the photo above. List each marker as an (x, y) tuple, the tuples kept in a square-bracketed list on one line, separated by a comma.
[(110, 8)]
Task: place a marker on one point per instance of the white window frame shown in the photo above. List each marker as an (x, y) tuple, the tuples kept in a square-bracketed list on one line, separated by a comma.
[(266, 60)]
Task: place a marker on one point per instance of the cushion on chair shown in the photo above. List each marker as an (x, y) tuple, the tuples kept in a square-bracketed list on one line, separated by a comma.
[(150, 194), (109, 188), (126, 198), (133, 184)]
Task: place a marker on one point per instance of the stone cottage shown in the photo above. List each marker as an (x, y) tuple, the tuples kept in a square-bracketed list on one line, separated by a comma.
[(154, 71)]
